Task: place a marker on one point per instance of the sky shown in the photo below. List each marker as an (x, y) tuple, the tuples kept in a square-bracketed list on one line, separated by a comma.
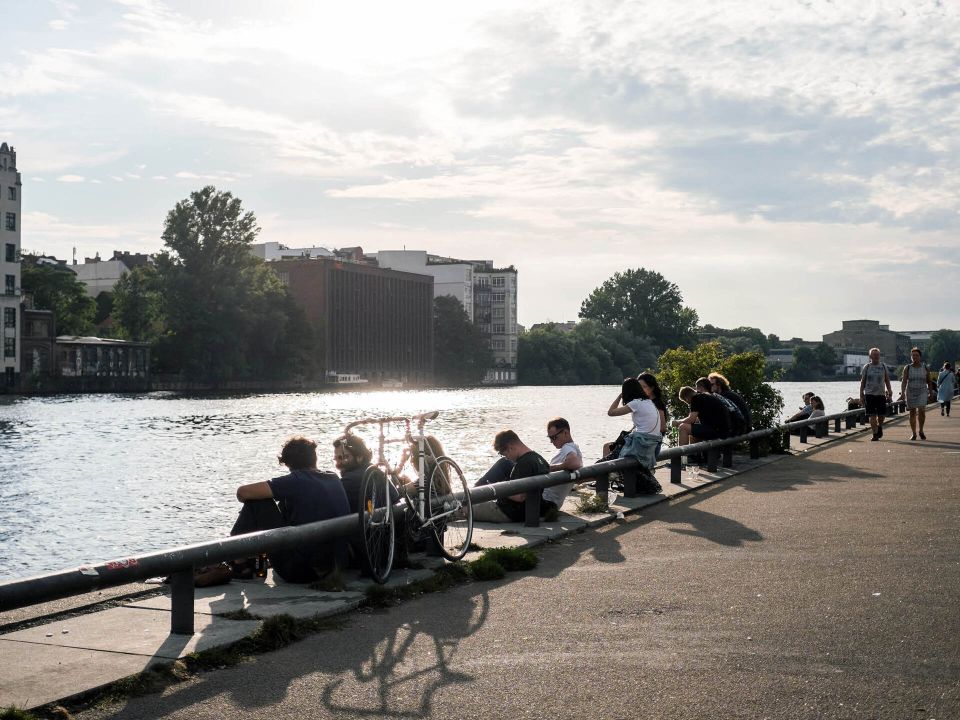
[(787, 164)]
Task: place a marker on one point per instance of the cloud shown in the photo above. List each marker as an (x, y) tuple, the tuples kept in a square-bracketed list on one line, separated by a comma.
[(71, 178)]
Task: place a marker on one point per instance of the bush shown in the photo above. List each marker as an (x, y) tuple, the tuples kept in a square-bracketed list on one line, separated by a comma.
[(485, 568)]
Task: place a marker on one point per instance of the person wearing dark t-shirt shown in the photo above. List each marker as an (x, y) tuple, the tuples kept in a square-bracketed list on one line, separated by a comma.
[(709, 418), (303, 496), (526, 463), (352, 458)]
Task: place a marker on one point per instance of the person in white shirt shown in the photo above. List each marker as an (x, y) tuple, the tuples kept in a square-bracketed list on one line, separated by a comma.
[(568, 458)]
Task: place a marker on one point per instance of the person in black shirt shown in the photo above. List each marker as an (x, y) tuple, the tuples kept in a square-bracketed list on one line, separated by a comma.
[(526, 463), (719, 385), (709, 418), (304, 496)]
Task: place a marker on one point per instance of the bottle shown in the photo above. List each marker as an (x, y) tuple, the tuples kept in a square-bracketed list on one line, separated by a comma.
[(260, 566)]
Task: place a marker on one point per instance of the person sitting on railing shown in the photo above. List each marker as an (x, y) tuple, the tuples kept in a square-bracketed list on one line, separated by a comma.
[(804, 412), (568, 458), (526, 463), (303, 496), (721, 386), (817, 411), (709, 418)]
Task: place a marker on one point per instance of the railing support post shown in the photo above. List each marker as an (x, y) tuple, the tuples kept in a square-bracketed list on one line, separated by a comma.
[(531, 508), (712, 457), (836, 425), (629, 483), (785, 434), (754, 449), (727, 460), (602, 485), (676, 469), (822, 429), (181, 602), (803, 433)]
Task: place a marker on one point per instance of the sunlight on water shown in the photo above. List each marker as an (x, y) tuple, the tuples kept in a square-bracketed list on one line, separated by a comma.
[(92, 477)]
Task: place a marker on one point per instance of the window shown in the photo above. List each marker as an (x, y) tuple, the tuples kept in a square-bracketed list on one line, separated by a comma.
[(498, 297), (11, 253), (11, 193), (9, 347), (10, 317), (498, 344), (11, 221), (498, 313), (498, 328), (10, 282), (483, 280), (284, 277), (499, 281)]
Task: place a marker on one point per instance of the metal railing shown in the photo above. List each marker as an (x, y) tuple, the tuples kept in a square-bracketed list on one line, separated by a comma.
[(179, 562)]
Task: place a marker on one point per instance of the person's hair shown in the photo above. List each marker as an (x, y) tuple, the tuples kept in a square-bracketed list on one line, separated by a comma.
[(354, 445), (432, 451), (947, 366), (631, 390), (872, 349), (686, 392), (559, 423), (808, 395), (917, 351), (298, 453), (504, 438), (816, 399), (651, 382), (719, 380), (702, 383)]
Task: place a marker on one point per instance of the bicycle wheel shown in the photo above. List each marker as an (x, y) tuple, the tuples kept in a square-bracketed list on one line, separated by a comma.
[(376, 523), (449, 510)]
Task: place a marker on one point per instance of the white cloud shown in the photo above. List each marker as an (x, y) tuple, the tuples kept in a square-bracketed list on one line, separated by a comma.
[(71, 178)]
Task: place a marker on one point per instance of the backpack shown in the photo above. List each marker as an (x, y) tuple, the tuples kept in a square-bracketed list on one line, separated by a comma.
[(737, 420)]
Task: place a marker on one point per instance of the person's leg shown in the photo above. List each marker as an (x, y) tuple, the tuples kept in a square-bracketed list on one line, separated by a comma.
[(947, 404), (257, 515), (921, 419), (684, 438), (874, 422), (913, 423), (498, 472), (489, 512)]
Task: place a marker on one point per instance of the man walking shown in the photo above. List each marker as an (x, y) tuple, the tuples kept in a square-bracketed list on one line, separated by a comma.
[(873, 379)]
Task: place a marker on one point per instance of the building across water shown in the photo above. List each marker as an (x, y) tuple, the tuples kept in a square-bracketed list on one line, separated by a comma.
[(10, 217)]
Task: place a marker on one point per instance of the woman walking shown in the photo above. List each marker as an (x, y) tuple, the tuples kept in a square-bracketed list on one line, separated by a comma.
[(913, 389), (946, 387)]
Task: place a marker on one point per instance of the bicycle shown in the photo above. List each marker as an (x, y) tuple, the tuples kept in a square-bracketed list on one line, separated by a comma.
[(437, 503)]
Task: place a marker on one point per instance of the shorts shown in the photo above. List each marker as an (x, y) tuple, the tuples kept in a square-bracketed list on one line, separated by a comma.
[(875, 404), (706, 432)]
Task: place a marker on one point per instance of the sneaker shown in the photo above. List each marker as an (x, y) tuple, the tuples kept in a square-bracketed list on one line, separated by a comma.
[(913, 437), (879, 431), (922, 436), (874, 438)]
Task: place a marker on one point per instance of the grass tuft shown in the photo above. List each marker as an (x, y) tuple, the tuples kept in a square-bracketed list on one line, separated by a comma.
[(486, 568), (13, 713), (242, 614), (593, 505), (512, 559)]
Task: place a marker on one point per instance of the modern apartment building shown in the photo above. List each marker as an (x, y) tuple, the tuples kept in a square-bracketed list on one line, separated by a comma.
[(10, 221), (488, 295)]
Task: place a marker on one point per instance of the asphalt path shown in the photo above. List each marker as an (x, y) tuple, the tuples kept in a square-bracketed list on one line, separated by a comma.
[(823, 586)]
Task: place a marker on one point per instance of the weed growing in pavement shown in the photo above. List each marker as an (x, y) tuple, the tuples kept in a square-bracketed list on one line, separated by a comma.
[(593, 505), (486, 568), (15, 713), (512, 559)]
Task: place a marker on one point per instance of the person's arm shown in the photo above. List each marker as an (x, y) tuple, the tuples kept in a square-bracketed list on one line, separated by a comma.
[(863, 381), (254, 491), (886, 379), (688, 420), (570, 463), (903, 381), (617, 409), (663, 421)]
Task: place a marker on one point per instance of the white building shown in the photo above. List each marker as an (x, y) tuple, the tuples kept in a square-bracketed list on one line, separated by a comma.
[(101, 275), (10, 219), (488, 295), (275, 251)]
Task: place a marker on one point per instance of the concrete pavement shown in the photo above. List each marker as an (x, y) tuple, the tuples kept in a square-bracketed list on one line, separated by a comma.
[(282, 599)]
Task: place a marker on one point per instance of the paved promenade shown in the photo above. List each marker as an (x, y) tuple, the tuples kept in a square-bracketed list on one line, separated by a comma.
[(820, 586)]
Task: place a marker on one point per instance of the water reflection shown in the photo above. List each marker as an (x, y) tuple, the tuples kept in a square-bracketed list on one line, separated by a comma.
[(91, 477)]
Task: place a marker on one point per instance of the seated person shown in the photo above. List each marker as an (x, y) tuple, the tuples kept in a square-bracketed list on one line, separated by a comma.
[(737, 422), (303, 496), (526, 463), (817, 411), (804, 411), (721, 386), (709, 418), (568, 458)]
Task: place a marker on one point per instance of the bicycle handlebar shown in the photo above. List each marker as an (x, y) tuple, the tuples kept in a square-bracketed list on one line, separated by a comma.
[(419, 419)]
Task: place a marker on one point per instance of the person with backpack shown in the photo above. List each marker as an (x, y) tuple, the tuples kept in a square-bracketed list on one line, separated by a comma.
[(720, 385), (737, 421)]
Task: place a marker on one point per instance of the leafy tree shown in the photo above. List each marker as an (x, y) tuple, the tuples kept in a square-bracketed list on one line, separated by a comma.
[(944, 347), (136, 303), (644, 303), (104, 307), (745, 371), (813, 363), (226, 315), (461, 352), (58, 289)]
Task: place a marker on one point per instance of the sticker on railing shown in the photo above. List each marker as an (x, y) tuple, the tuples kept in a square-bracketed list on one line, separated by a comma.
[(122, 564), (87, 570)]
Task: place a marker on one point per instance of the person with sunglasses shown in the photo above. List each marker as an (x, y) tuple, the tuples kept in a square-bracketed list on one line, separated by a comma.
[(568, 458)]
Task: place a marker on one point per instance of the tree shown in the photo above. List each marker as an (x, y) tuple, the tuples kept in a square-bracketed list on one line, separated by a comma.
[(813, 363), (461, 352), (944, 347), (745, 371), (645, 303), (136, 303), (57, 289)]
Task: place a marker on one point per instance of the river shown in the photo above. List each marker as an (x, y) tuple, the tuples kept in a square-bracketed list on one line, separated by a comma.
[(93, 477)]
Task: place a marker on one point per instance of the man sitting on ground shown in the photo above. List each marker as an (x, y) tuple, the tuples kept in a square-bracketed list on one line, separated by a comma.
[(303, 496), (708, 418), (720, 385), (568, 458), (526, 463)]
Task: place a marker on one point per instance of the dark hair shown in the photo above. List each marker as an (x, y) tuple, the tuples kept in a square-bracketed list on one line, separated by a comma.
[(432, 450), (559, 423), (947, 366), (299, 453), (652, 383), (686, 392), (504, 438), (917, 351), (631, 390), (702, 383), (354, 445), (818, 401)]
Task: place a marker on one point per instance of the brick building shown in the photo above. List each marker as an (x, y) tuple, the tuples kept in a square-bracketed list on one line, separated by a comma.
[(858, 336), (370, 321)]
